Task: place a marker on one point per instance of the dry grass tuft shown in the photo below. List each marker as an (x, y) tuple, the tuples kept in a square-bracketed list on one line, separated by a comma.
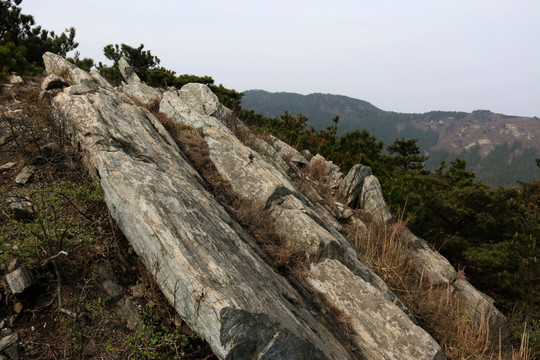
[(238, 128), (64, 73), (385, 254), (152, 106), (287, 157), (524, 352), (168, 124), (265, 136), (461, 274), (260, 225), (243, 133), (318, 169)]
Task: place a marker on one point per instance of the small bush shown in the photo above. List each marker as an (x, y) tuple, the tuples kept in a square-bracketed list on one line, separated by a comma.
[(153, 340)]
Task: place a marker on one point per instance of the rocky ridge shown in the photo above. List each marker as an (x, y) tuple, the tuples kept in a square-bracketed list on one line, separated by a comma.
[(211, 270)]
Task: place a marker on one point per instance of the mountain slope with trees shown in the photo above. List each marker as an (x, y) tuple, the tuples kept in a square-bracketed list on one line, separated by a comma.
[(499, 149)]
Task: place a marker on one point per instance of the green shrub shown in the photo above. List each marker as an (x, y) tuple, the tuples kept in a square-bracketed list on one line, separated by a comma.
[(156, 341), (54, 221)]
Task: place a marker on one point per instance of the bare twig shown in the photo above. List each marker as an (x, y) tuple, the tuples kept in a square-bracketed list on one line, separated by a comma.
[(46, 261)]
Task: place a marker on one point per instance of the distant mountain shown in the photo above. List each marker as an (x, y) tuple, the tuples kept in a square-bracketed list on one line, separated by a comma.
[(500, 149)]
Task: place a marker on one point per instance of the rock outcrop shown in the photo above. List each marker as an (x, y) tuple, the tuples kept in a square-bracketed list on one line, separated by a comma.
[(361, 189), (211, 270), (296, 219), (204, 262), (135, 89)]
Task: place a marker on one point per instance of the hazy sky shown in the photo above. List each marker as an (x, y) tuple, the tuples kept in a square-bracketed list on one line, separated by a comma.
[(405, 56)]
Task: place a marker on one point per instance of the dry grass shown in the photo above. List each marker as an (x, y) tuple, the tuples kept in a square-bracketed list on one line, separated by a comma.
[(524, 351), (152, 106), (65, 74), (238, 128), (287, 157), (168, 124), (435, 308), (318, 169), (242, 132), (259, 224)]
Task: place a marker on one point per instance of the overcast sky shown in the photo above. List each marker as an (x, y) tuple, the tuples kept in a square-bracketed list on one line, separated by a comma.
[(404, 56)]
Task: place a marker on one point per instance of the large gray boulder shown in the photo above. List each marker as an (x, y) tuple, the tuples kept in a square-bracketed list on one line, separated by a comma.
[(429, 264), (207, 266), (57, 65), (478, 306), (200, 98), (350, 188)]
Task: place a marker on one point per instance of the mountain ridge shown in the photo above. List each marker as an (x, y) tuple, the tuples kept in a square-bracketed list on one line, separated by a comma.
[(499, 148)]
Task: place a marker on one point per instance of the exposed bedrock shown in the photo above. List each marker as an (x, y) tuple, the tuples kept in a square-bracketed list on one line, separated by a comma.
[(212, 271), (253, 176), (203, 261)]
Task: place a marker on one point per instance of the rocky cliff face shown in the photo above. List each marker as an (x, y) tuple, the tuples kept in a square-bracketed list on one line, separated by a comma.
[(216, 274)]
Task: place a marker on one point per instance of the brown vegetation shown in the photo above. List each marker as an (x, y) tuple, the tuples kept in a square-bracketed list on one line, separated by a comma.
[(435, 308), (152, 106), (317, 170)]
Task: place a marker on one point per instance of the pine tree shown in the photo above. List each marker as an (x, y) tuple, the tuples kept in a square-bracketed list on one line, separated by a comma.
[(407, 154)]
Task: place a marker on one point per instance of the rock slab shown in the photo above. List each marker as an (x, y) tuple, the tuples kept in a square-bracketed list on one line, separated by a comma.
[(20, 280), (379, 328), (9, 340)]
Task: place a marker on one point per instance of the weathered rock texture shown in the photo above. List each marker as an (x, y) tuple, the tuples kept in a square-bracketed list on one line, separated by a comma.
[(135, 89), (205, 263), (380, 328), (211, 270), (296, 219), (20, 280)]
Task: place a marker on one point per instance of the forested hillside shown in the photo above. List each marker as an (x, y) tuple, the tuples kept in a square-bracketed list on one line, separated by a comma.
[(499, 149)]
